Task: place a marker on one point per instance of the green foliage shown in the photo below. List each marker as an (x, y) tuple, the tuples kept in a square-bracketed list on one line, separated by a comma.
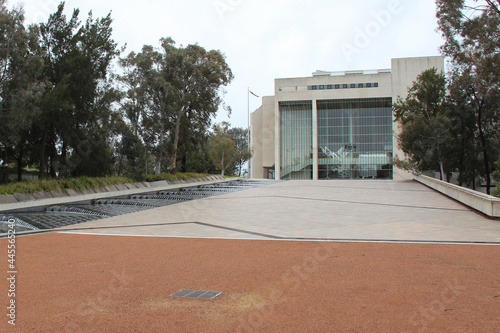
[(98, 163), (84, 183), (173, 93), (58, 100), (77, 184), (496, 177), (75, 106), (10, 169), (241, 152), (198, 159), (222, 147), (425, 124), (471, 32), (131, 155), (177, 176), (20, 89)]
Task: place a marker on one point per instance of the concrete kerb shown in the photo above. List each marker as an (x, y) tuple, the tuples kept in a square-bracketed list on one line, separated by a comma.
[(486, 204), (60, 198)]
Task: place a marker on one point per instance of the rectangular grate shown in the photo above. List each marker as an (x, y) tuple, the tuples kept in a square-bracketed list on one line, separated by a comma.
[(199, 294)]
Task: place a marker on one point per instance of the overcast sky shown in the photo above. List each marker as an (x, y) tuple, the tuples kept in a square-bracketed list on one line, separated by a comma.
[(268, 39)]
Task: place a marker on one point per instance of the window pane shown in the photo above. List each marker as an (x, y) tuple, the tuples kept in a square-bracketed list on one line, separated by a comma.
[(296, 140), (356, 138)]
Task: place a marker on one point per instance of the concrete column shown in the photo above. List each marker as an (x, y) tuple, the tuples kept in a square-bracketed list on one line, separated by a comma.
[(315, 139), (277, 140)]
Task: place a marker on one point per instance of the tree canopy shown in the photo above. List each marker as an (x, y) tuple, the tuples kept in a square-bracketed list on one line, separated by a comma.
[(472, 43), (453, 124), (64, 110), (425, 123), (178, 90)]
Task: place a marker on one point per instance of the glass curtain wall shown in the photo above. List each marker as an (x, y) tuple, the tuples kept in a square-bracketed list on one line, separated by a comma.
[(355, 138), (296, 140)]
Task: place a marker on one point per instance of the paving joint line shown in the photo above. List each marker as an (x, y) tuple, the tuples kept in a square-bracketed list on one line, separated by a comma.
[(299, 239), (344, 201)]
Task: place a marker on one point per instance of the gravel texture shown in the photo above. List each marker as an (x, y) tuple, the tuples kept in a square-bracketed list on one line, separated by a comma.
[(82, 283)]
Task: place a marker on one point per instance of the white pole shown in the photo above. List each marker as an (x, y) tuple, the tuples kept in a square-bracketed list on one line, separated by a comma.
[(248, 131)]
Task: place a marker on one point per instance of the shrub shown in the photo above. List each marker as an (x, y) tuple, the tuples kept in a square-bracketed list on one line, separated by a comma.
[(496, 177), (84, 183), (77, 184)]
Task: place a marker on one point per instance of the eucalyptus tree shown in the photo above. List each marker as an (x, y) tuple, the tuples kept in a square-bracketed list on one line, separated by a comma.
[(77, 58), (472, 42), (20, 88), (133, 101), (149, 99), (200, 75), (423, 115), (496, 176), (222, 147), (242, 152), (182, 89)]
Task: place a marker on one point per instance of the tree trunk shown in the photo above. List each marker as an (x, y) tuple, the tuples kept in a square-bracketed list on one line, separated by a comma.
[(441, 170), (20, 166), (173, 167), (120, 166), (43, 163), (484, 149), (461, 162), (160, 158), (222, 165), (184, 162), (63, 167)]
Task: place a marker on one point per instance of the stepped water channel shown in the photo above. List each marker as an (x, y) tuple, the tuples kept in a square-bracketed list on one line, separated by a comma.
[(55, 216)]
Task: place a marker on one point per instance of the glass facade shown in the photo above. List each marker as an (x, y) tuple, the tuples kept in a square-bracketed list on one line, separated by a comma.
[(296, 140), (355, 138)]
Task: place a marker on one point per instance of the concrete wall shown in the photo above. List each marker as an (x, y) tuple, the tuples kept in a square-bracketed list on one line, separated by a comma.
[(483, 203), (21, 201), (255, 143), (404, 72), (262, 138), (295, 89)]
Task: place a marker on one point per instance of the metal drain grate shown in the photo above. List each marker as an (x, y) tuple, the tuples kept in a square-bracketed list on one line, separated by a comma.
[(199, 294)]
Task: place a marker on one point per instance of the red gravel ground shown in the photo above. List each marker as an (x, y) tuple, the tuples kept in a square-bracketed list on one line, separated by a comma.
[(80, 283)]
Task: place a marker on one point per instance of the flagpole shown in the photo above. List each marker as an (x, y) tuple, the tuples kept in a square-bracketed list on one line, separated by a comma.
[(248, 131), (249, 134)]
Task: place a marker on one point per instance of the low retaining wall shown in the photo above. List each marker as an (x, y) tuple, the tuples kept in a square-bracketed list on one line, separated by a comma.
[(486, 204), (16, 201)]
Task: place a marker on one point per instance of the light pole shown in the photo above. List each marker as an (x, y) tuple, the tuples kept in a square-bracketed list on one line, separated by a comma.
[(248, 129)]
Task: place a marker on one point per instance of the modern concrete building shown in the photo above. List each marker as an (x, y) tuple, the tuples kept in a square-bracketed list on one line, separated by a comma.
[(333, 124)]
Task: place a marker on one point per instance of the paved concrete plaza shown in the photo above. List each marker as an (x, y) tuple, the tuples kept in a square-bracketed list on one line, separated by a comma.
[(312, 210)]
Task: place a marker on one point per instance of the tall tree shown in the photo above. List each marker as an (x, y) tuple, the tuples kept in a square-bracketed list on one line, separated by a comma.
[(133, 101), (200, 75), (425, 135), (242, 153), (496, 176), (20, 88), (182, 86), (77, 58), (472, 41), (222, 150)]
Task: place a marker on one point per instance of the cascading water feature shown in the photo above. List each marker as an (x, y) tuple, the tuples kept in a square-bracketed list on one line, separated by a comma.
[(50, 217)]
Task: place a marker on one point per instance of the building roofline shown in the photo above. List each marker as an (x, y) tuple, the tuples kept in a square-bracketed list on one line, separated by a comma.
[(322, 73)]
